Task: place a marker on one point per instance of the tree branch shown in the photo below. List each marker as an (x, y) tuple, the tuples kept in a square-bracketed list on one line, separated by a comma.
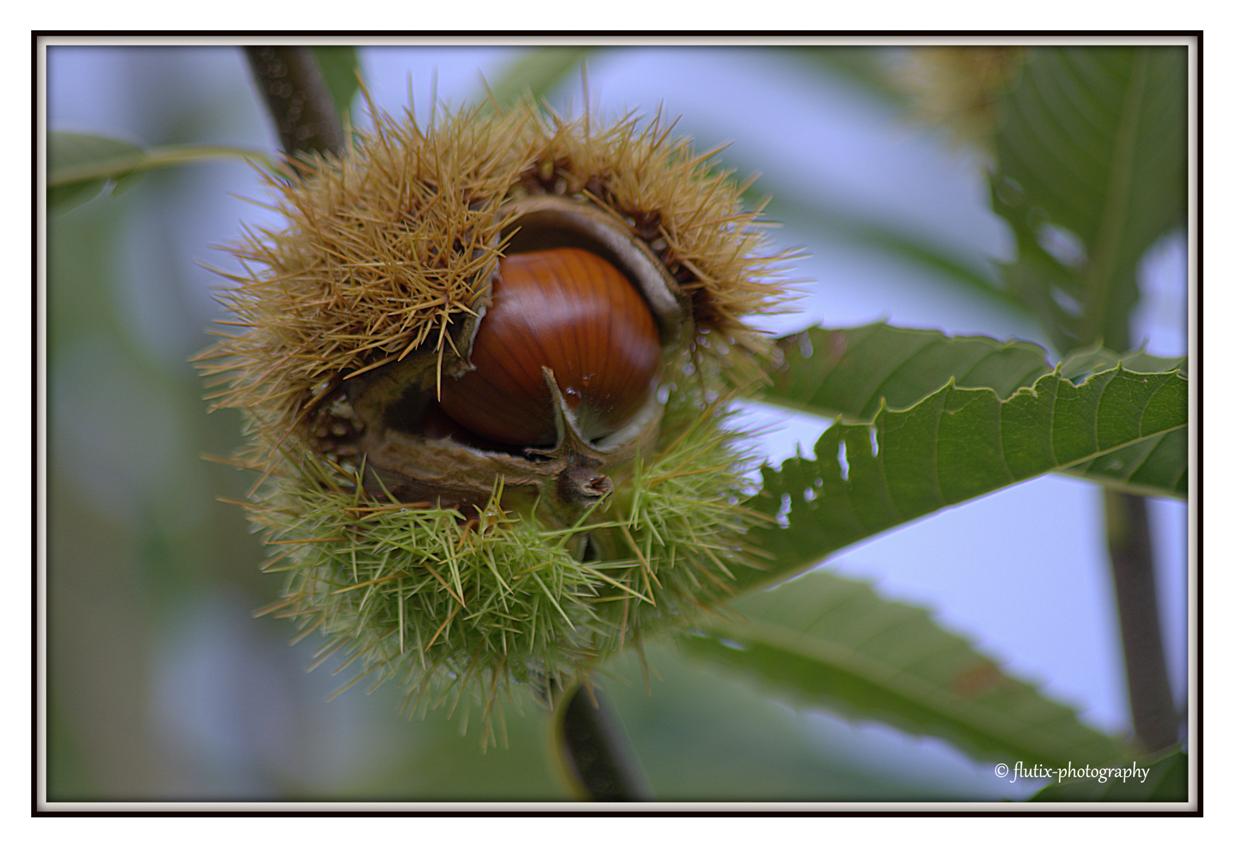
[(595, 751), (1129, 540), (297, 98)]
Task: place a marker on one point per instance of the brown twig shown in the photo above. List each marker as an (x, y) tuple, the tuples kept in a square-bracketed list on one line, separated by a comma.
[(1129, 540), (595, 751), (297, 98)]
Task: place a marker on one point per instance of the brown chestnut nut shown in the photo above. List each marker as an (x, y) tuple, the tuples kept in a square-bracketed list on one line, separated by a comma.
[(573, 312)]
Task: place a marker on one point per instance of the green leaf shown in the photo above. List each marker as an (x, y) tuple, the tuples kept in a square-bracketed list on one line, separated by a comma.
[(955, 444), (340, 66), (536, 72), (1079, 364), (1166, 781), (768, 754), (80, 165), (71, 153), (831, 642), (1092, 170), (850, 372)]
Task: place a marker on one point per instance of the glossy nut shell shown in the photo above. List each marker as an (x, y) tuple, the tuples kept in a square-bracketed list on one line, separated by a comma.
[(571, 311)]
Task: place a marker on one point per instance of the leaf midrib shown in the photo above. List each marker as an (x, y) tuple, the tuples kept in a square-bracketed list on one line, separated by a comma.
[(884, 676), (147, 159), (1099, 279)]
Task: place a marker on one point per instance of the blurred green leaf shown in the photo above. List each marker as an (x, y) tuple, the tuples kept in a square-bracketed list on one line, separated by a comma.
[(829, 642), (675, 709), (955, 444), (442, 763), (1166, 781), (849, 372), (1080, 363), (536, 72), (818, 215), (79, 165), (78, 153), (1092, 170), (341, 67)]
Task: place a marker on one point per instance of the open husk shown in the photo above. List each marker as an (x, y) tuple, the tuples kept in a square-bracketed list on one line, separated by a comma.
[(438, 561)]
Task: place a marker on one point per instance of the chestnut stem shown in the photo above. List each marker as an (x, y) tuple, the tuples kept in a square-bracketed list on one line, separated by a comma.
[(595, 750), (297, 98)]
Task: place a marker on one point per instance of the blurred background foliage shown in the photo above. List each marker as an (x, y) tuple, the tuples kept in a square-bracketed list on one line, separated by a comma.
[(163, 686)]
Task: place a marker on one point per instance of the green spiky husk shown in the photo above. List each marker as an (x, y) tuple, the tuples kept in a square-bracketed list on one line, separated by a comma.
[(450, 605)]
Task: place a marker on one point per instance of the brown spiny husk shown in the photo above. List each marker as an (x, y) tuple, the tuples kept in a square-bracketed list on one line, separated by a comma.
[(389, 249)]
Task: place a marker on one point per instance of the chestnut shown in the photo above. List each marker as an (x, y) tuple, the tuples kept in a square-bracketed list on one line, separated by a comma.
[(481, 365), (572, 312)]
